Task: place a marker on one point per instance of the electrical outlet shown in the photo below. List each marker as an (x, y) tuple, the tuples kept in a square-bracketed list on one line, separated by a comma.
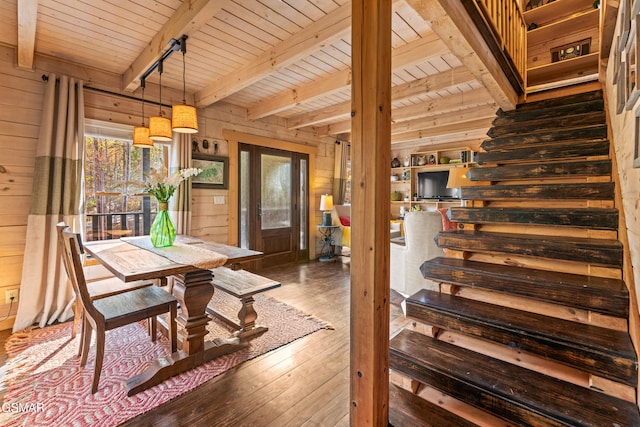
[(13, 293)]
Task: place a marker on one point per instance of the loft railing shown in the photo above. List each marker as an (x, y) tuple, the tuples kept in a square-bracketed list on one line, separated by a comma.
[(113, 225), (504, 20)]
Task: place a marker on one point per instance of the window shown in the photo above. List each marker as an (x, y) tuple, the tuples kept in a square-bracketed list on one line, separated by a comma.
[(110, 160)]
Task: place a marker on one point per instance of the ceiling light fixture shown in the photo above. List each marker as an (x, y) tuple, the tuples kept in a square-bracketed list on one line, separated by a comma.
[(141, 133), (183, 116), (160, 126)]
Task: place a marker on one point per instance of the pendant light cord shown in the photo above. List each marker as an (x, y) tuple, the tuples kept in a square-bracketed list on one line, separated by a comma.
[(183, 49), (142, 85), (160, 71)]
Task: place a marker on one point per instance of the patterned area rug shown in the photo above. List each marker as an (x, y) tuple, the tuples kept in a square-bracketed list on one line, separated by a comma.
[(47, 387)]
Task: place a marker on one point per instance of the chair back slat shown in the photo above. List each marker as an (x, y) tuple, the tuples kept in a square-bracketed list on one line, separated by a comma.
[(75, 271)]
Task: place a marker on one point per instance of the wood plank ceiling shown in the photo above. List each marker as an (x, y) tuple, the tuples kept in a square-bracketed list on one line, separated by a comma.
[(285, 58)]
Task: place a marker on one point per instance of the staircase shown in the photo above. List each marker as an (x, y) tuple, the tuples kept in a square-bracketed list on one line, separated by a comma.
[(530, 326)]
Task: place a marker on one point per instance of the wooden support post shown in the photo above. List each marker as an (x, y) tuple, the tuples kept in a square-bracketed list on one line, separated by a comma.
[(370, 210)]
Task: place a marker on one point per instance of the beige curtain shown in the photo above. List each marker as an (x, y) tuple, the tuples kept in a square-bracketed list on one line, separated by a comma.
[(56, 196), (180, 203), (340, 172)]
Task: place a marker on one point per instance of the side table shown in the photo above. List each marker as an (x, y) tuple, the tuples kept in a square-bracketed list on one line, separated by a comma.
[(326, 231)]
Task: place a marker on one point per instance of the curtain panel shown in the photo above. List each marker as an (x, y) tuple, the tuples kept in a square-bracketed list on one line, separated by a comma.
[(340, 172), (180, 203), (56, 196)]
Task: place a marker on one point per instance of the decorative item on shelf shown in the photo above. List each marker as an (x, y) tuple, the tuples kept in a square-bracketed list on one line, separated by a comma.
[(416, 208), (394, 177), (573, 50), (326, 204), (406, 175), (415, 197), (432, 159), (396, 196), (421, 160), (407, 161), (444, 160), (162, 186), (395, 163), (406, 199), (141, 133), (402, 211), (183, 116)]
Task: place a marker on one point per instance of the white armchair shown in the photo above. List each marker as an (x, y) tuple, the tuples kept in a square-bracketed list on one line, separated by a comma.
[(420, 229)]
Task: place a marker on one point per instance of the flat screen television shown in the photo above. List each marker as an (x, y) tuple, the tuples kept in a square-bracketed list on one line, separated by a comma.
[(433, 186)]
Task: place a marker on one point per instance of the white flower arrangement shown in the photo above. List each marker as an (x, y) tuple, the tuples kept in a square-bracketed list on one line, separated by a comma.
[(161, 185)]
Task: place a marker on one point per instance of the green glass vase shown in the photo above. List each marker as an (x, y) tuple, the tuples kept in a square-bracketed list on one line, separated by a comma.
[(163, 233)]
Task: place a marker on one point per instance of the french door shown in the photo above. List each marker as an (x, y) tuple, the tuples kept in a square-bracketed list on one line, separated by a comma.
[(274, 204)]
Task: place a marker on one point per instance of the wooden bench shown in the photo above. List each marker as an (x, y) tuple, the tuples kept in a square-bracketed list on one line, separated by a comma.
[(243, 285)]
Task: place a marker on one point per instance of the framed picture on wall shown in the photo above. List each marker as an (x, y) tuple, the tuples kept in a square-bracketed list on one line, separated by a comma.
[(636, 139), (624, 14), (616, 61), (621, 88), (631, 62), (215, 171)]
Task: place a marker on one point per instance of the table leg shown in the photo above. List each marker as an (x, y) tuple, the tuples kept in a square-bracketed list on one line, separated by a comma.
[(194, 291)]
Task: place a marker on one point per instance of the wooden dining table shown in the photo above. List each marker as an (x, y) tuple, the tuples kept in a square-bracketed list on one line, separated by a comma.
[(131, 259)]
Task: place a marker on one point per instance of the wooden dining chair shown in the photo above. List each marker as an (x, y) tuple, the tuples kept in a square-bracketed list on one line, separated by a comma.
[(116, 310), (98, 288)]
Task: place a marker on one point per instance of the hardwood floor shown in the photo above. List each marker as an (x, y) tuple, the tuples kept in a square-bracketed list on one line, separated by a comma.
[(305, 383)]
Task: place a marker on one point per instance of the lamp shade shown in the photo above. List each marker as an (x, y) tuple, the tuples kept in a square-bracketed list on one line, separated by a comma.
[(160, 129), (184, 119), (458, 178), (326, 202), (141, 137)]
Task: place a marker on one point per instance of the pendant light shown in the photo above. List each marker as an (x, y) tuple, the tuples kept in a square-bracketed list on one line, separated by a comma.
[(183, 116), (141, 133), (160, 126)]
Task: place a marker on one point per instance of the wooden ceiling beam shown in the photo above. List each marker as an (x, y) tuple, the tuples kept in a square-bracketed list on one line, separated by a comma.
[(407, 55), (452, 23), (466, 130), (422, 124), (323, 32), (27, 19), (425, 85), (188, 18), (459, 101)]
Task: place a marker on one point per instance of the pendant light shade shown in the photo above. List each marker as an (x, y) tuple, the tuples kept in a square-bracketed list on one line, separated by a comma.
[(160, 126), (183, 117), (160, 129), (141, 133), (141, 137)]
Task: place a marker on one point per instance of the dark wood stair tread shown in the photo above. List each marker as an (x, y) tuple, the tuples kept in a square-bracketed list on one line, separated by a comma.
[(508, 143), (554, 152), (594, 218), (546, 124), (541, 170), (600, 351), (508, 391), (589, 191), (505, 118), (588, 250), (407, 409), (558, 101), (604, 295)]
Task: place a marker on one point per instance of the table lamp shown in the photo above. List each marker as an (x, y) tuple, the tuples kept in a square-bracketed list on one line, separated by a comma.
[(326, 204)]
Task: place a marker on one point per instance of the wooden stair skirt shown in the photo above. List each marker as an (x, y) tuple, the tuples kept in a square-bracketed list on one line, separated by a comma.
[(545, 206), (507, 391)]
